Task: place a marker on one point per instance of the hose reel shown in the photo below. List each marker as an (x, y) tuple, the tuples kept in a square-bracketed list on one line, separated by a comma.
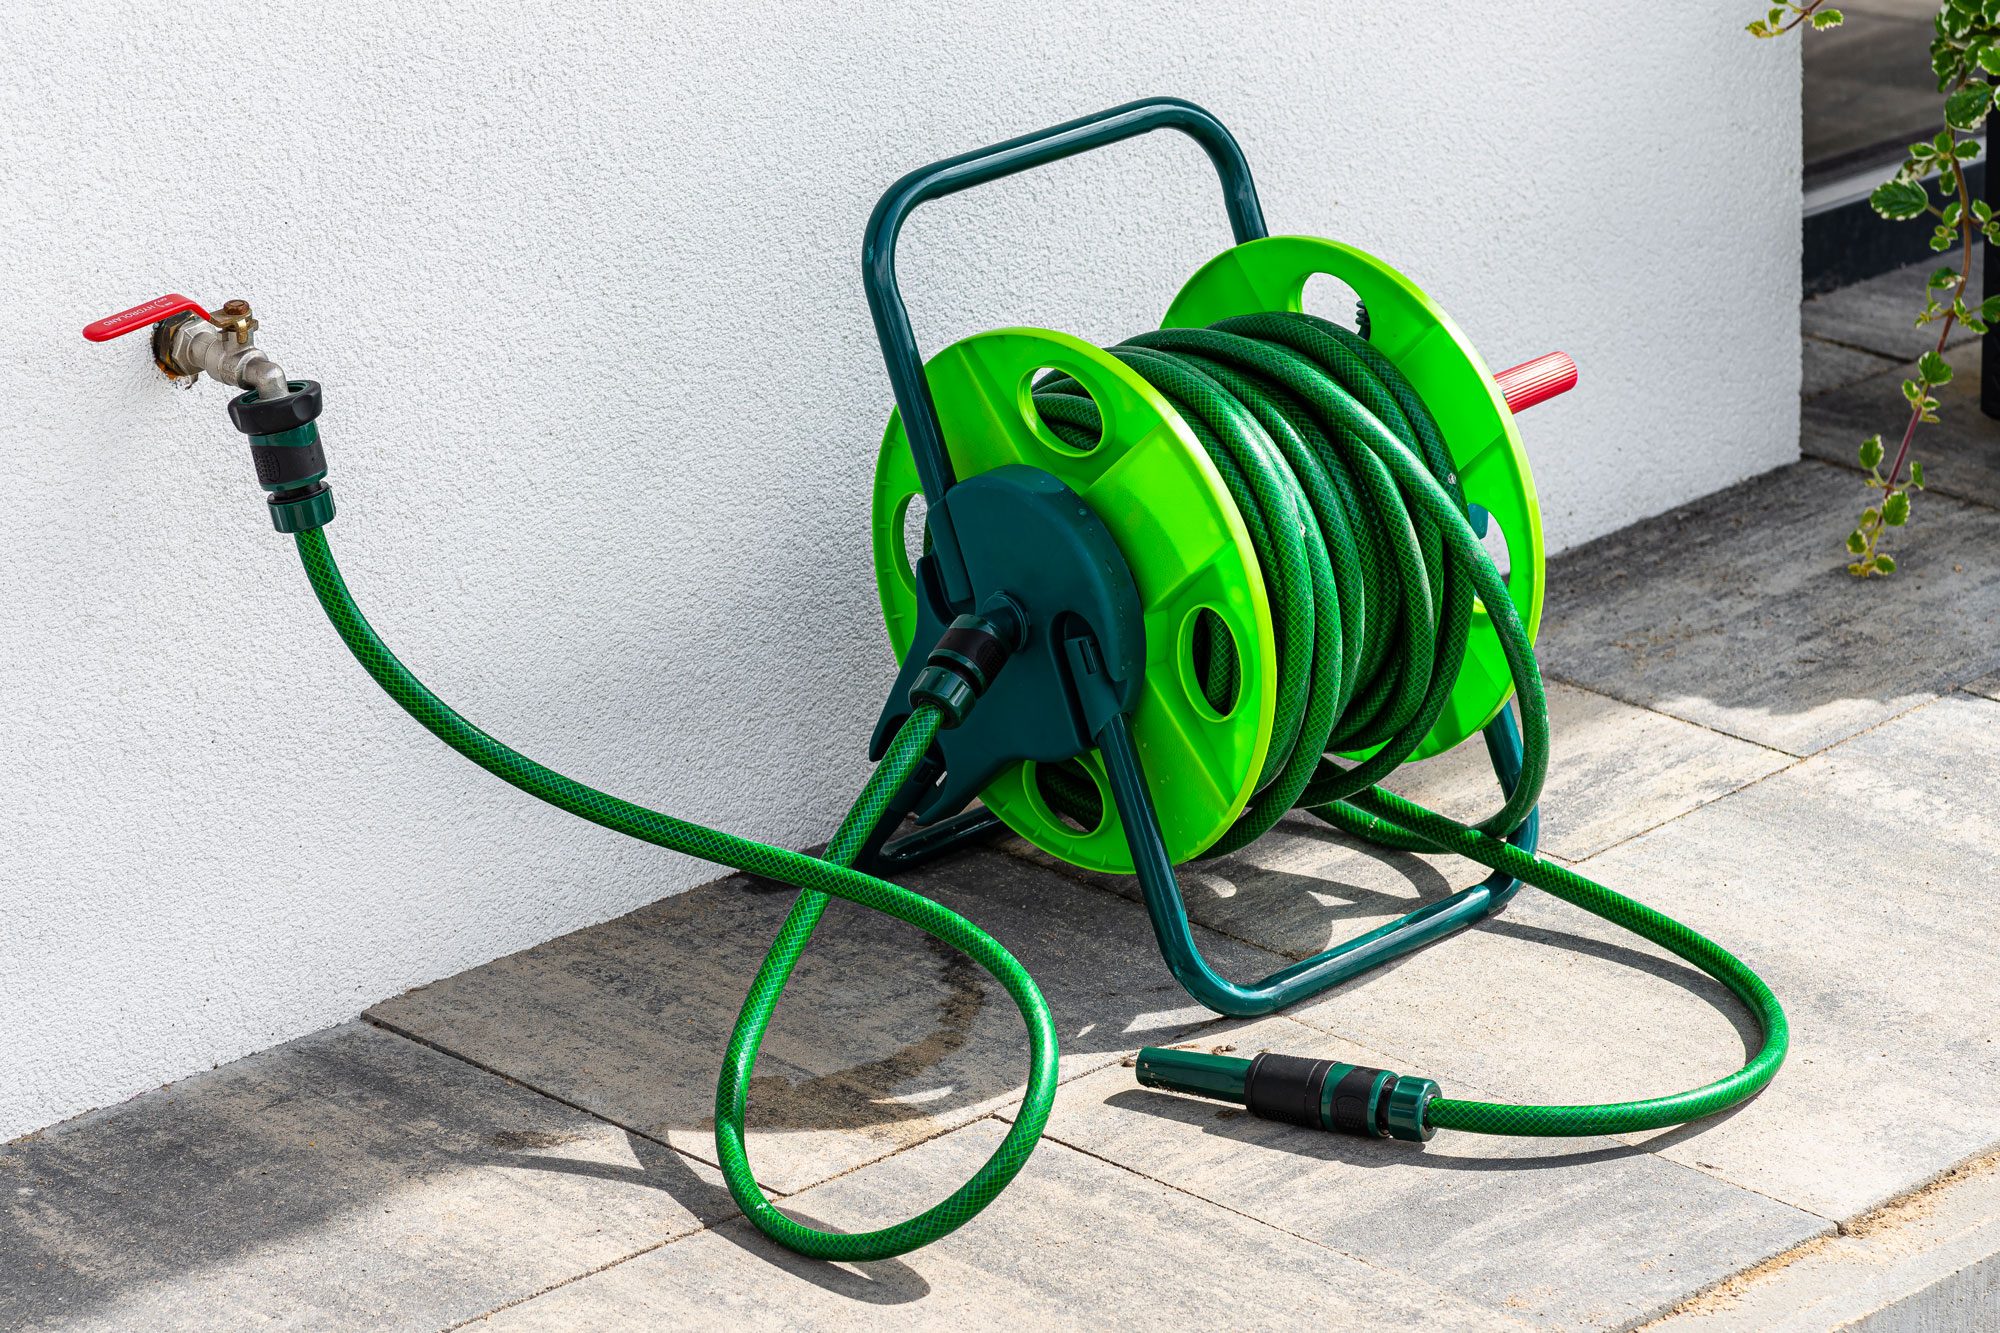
[(1160, 582), (1192, 585)]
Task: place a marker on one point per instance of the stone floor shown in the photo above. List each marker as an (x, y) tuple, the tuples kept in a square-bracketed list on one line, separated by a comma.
[(1804, 767)]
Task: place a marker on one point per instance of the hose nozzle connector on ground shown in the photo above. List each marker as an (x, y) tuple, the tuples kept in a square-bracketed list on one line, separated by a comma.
[(1318, 1094), (967, 657)]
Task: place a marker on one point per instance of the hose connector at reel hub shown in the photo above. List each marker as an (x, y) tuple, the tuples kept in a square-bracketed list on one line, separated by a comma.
[(968, 656)]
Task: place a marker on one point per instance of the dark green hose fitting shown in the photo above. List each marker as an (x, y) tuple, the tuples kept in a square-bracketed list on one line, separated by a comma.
[(967, 657), (285, 449), (1318, 1094)]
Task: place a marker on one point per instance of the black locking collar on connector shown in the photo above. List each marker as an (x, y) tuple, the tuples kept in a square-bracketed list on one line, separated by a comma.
[(1318, 1094), (968, 655), (285, 449)]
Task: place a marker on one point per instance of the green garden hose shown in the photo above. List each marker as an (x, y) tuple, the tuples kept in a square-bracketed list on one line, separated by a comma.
[(816, 878), (1373, 570), (1372, 567)]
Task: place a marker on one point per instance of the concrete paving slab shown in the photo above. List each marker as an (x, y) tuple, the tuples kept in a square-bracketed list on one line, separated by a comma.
[(1614, 770), (1617, 770), (884, 1039), (1826, 366), (1960, 453), (1924, 1264), (1859, 885), (1987, 687), (1074, 1243), (1879, 315), (346, 1179), (1510, 1223), (1738, 613)]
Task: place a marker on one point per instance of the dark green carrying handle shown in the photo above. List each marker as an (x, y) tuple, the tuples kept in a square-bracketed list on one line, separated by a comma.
[(892, 318)]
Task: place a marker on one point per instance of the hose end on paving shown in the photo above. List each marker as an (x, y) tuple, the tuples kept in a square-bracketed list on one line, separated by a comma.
[(1317, 1094)]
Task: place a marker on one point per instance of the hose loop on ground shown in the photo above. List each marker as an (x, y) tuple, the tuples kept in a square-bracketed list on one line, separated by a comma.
[(1365, 543)]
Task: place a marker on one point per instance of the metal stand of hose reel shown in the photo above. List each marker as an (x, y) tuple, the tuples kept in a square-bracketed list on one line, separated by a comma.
[(1115, 556)]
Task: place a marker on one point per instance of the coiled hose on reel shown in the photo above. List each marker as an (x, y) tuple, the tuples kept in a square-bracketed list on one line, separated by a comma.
[(1372, 568)]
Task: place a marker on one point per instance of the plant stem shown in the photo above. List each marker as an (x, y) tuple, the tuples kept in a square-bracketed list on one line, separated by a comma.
[(1804, 13)]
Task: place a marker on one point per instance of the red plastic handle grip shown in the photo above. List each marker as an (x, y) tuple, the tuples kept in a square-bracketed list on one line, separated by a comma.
[(1536, 381), (140, 317)]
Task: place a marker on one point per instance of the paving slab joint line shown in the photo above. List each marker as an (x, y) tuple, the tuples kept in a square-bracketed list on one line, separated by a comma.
[(1878, 1218), (770, 1190), (560, 1283), (1795, 761), (1055, 1136), (406, 1035), (1577, 685), (1855, 467), (1854, 347), (1943, 690)]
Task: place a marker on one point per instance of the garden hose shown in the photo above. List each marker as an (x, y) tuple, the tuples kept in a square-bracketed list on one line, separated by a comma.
[(817, 879), (1371, 565), (1230, 569)]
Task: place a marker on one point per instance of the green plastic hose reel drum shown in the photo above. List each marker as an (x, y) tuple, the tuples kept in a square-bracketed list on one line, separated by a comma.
[(1151, 484), (1478, 427)]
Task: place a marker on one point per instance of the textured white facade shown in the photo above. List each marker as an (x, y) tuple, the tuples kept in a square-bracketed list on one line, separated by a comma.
[(581, 283)]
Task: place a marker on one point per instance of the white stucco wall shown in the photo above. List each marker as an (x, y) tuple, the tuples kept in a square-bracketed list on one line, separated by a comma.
[(581, 282)]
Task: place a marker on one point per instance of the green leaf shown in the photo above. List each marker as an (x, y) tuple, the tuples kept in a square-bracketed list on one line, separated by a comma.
[(1916, 474), (1942, 240), (1828, 18), (1899, 199), (1989, 59), (1966, 108), (1951, 214), (1982, 211), (1896, 510), (1933, 368), (1758, 28), (1913, 391), (1967, 149), (1869, 516), (1775, 16), (1871, 451), (1942, 276), (1886, 564), (1856, 542)]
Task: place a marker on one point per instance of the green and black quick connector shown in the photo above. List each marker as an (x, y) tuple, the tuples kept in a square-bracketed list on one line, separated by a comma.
[(968, 656), (284, 446), (1319, 1094)]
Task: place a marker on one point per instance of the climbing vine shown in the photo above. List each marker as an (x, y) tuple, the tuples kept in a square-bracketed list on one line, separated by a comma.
[(1965, 51)]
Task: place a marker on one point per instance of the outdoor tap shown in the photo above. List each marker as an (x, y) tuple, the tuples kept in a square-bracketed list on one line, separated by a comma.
[(223, 345), (188, 340), (279, 416)]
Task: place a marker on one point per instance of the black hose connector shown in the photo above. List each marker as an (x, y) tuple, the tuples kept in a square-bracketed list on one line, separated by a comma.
[(968, 655), (285, 450), (1318, 1094)]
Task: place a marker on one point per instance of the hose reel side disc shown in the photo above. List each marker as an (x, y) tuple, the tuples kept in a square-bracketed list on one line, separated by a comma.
[(1479, 431), (1153, 487)]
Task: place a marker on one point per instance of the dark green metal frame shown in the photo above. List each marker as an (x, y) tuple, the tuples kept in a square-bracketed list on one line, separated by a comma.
[(1078, 602)]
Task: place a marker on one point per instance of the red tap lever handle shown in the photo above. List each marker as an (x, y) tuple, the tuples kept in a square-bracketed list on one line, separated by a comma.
[(1536, 381), (141, 317)]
